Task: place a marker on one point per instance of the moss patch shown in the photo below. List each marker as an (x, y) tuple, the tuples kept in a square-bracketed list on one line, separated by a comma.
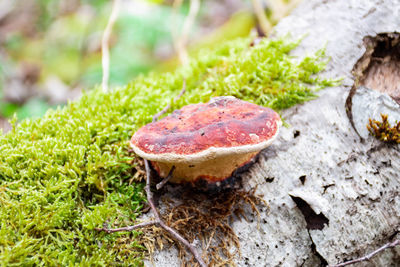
[(383, 131), (70, 171)]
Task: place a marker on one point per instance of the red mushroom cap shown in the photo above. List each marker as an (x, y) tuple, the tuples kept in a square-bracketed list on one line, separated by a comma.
[(198, 132)]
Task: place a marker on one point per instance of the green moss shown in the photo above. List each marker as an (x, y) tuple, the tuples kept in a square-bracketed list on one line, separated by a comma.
[(70, 171)]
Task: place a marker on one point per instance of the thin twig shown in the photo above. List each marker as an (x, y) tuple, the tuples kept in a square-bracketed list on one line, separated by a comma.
[(161, 223), (127, 228), (157, 218), (180, 43), (166, 179), (187, 26), (105, 57), (166, 108), (210, 239), (370, 255), (176, 6), (149, 193), (263, 21)]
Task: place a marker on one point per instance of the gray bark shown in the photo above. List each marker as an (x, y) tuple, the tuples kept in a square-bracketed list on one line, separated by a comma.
[(355, 184)]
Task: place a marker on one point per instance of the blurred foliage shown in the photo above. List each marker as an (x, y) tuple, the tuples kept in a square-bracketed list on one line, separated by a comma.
[(62, 48), (66, 45), (242, 22), (62, 39), (70, 171), (138, 36)]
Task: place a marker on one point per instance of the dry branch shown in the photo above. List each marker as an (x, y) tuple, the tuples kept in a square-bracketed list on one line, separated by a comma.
[(166, 179), (263, 21), (161, 223), (181, 41), (127, 228), (157, 218), (166, 108), (370, 255), (105, 53)]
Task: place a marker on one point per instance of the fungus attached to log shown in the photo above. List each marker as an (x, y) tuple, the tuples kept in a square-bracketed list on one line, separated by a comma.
[(207, 141)]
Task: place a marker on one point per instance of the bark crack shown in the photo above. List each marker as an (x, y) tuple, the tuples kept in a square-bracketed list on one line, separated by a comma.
[(314, 221), (314, 250)]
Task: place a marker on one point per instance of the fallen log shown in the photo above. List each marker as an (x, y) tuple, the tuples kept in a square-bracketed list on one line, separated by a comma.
[(333, 190)]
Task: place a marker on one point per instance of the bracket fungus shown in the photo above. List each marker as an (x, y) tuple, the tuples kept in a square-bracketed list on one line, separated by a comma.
[(207, 141)]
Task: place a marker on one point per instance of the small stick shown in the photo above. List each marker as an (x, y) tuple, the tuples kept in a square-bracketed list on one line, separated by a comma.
[(157, 221), (174, 29), (161, 223), (166, 179), (157, 218), (105, 58), (127, 228), (187, 25), (263, 21), (370, 255), (166, 108), (180, 43)]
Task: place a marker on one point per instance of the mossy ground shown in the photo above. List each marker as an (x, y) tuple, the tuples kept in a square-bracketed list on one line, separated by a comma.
[(66, 173)]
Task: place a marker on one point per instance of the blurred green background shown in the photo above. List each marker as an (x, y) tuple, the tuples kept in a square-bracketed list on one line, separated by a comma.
[(50, 50)]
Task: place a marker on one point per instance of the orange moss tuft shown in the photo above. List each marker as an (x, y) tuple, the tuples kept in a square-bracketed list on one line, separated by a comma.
[(384, 131)]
